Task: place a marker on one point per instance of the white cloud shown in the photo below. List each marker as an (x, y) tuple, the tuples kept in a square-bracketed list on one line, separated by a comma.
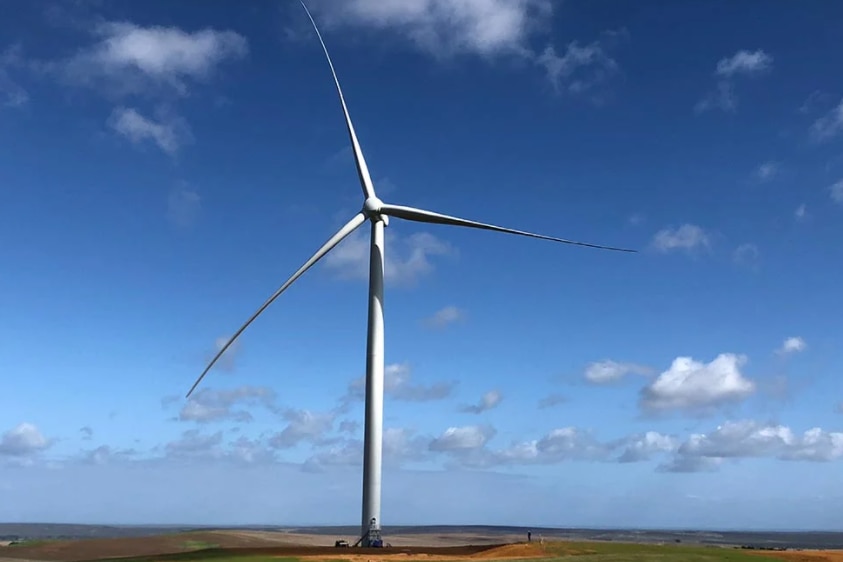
[(814, 99), (22, 441), (686, 237), (580, 69), (398, 386), (445, 28), (608, 371), (767, 171), (193, 444), (485, 28), (748, 439), (791, 345), (168, 133), (745, 62), (12, 94), (746, 255), (303, 425), (183, 205), (228, 360), (638, 448), (133, 59), (488, 401), (570, 443), (401, 445), (836, 191), (209, 405), (692, 385), (105, 454), (829, 125), (406, 259), (445, 316), (464, 438), (801, 212)]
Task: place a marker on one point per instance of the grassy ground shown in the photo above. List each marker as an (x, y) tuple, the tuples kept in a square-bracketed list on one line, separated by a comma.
[(617, 552)]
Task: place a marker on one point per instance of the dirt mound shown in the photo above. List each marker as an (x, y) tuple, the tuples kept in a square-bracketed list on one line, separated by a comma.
[(518, 550)]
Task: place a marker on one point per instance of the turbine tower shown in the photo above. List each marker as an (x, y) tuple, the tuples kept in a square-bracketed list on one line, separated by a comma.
[(377, 213)]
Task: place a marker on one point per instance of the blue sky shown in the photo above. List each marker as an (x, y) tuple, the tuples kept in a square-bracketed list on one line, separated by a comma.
[(165, 167)]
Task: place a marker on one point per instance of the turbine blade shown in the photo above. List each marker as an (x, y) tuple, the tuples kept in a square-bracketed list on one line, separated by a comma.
[(420, 215), (358, 219), (360, 162)]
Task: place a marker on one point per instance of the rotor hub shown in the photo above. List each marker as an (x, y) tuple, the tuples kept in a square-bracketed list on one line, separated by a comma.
[(372, 207)]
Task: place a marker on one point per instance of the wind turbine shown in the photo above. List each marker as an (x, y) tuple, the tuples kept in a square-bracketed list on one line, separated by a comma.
[(377, 213)]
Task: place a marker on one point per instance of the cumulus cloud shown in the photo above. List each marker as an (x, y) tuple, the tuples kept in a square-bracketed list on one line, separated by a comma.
[(792, 345), (801, 212), (86, 432), (398, 385), (407, 259), (209, 405), (687, 237), (767, 171), (698, 452), (130, 59), (23, 440), (465, 438), (638, 448), (445, 316), (836, 192), (742, 64), (167, 133), (608, 371), (749, 439), (695, 386), (745, 62), (485, 28), (829, 125), (488, 401), (581, 68), (444, 28), (105, 454), (558, 445), (193, 444), (303, 426), (401, 445), (12, 94)]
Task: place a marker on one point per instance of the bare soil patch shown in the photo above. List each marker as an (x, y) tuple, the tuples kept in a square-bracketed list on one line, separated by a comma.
[(806, 555)]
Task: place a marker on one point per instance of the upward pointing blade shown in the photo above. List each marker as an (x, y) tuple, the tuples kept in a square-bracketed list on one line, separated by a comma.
[(358, 219), (420, 215), (362, 168)]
